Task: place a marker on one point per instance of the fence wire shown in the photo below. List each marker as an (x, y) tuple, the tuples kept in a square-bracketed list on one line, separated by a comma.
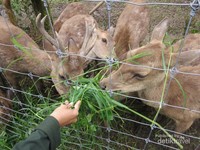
[(108, 140)]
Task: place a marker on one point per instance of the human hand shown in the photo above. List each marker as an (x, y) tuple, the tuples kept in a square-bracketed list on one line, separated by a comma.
[(65, 114)]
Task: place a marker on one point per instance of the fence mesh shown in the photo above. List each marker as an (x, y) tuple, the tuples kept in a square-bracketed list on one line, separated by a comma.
[(37, 97)]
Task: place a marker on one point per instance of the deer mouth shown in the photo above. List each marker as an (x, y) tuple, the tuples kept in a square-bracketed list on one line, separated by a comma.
[(110, 88)]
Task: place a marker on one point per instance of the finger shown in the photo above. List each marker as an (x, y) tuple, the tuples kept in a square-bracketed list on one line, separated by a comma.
[(77, 105), (66, 102), (69, 105), (63, 105)]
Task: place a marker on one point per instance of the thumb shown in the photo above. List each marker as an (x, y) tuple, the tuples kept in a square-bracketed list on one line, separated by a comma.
[(77, 105)]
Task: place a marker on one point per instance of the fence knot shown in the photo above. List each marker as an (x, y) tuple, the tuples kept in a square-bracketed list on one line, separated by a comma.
[(25, 115), (12, 89), (59, 53), (108, 5), (45, 3), (40, 96), (195, 5), (173, 72), (108, 129), (153, 126), (68, 82), (20, 104), (110, 92), (3, 13), (108, 140), (111, 61), (15, 46), (30, 75), (147, 140)]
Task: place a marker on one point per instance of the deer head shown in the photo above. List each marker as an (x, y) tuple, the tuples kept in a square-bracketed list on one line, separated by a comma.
[(70, 64), (100, 47), (100, 43), (128, 77), (66, 68)]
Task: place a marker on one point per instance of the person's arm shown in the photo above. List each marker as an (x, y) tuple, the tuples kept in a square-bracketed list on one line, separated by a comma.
[(47, 134), (45, 137)]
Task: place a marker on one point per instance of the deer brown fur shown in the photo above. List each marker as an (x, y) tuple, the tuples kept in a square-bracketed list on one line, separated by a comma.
[(70, 10), (131, 28), (149, 82), (190, 42)]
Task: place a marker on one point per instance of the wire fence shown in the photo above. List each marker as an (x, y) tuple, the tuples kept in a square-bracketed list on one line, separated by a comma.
[(128, 131)]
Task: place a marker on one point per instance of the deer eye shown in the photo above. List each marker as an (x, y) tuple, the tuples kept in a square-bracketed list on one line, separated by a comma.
[(104, 40), (139, 76)]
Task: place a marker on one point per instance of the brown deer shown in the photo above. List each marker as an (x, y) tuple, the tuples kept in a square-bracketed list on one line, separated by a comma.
[(131, 28), (26, 57), (184, 90), (100, 43)]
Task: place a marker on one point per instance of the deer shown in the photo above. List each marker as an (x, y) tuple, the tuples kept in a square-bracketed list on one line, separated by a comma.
[(131, 28), (27, 57), (100, 43), (184, 89)]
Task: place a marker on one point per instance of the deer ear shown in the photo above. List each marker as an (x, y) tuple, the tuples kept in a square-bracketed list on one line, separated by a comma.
[(160, 30), (187, 57), (72, 47)]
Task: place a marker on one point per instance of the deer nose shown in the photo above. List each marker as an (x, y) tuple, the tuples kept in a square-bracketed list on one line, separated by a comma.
[(102, 85)]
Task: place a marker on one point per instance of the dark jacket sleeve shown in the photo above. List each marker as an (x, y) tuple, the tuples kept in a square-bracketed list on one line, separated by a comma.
[(45, 137)]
